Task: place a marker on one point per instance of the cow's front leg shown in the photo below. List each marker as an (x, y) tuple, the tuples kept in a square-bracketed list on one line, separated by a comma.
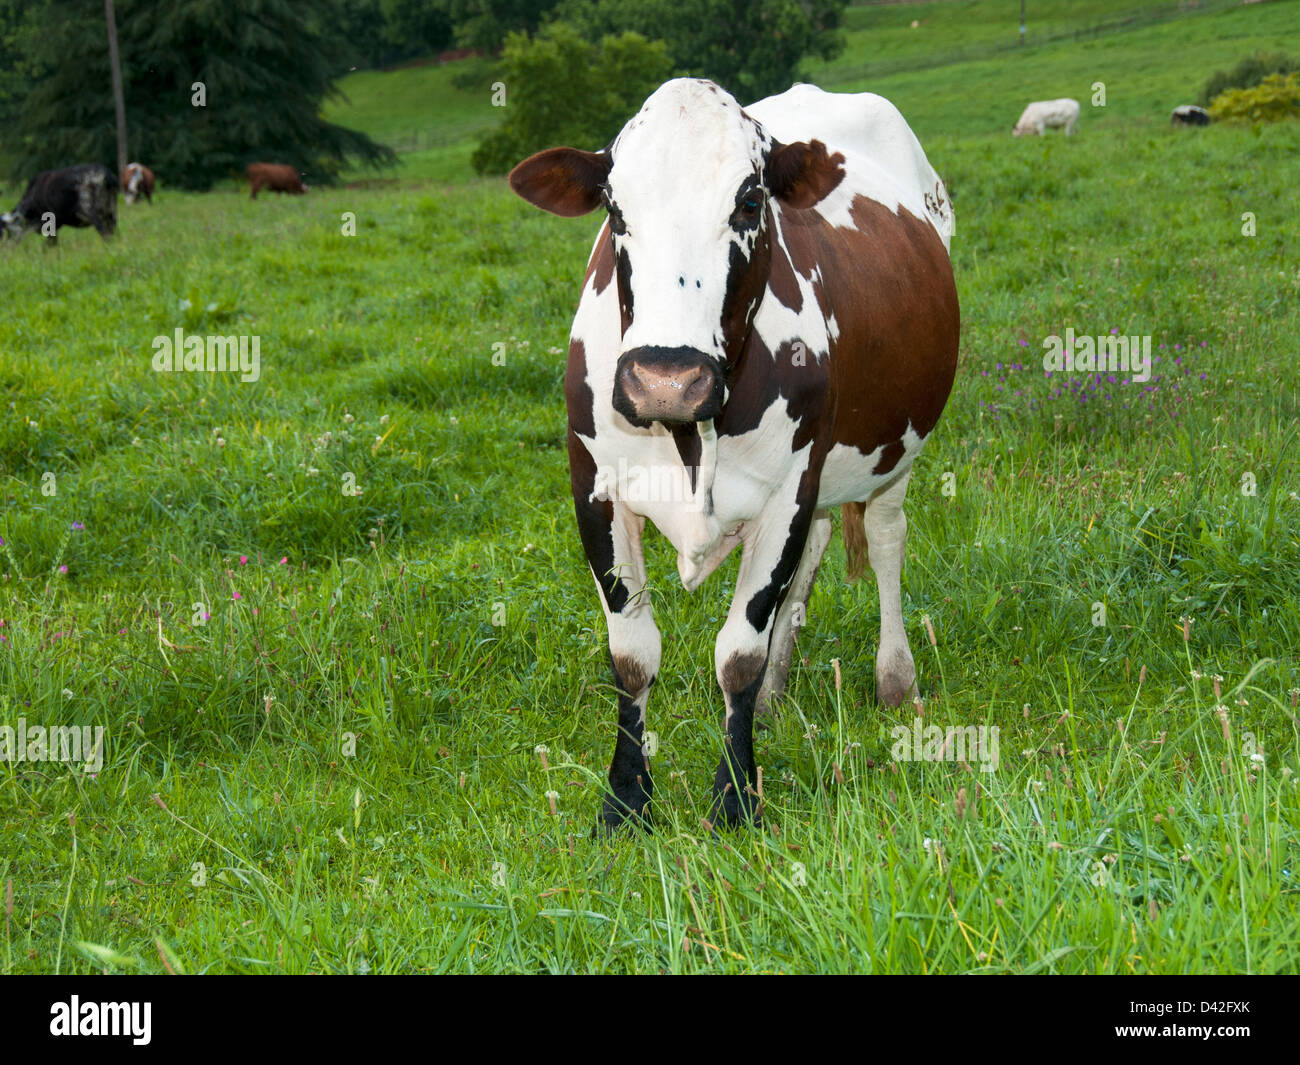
[(886, 528), (793, 614), (611, 536), (773, 552)]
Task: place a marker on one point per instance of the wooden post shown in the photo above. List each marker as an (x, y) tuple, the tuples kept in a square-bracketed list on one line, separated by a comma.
[(119, 106)]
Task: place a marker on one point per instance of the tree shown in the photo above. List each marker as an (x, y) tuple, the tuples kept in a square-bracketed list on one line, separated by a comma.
[(564, 90), (752, 48), (375, 33), (1248, 73), (209, 88), (485, 24), (15, 75)]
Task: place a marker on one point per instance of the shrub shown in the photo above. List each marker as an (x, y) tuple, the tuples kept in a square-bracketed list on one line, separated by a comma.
[(563, 90), (1274, 99), (1247, 74)]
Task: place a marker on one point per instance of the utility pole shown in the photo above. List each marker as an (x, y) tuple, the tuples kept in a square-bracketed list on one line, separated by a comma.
[(118, 105)]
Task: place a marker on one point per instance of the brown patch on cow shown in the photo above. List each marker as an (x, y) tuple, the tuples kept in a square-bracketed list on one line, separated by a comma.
[(758, 379), (889, 457), (631, 675), (781, 280), (623, 272), (854, 531), (742, 670), (803, 173), (689, 448), (747, 281), (564, 181), (601, 266), (890, 285), (578, 397)]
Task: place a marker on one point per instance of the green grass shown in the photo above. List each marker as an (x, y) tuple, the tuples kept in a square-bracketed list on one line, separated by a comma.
[(882, 39), (386, 810)]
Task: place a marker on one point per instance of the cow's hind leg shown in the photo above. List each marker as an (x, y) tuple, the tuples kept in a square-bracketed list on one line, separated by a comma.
[(792, 615), (886, 528), (611, 536)]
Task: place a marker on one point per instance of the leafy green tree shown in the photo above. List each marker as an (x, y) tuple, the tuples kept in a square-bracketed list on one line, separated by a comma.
[(562, 89), (209, 88), (752, 48)]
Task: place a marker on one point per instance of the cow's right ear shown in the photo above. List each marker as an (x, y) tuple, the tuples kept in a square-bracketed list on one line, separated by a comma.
[(564, 181)]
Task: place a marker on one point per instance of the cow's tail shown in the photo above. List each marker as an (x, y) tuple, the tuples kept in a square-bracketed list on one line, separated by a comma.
[(852, 519)]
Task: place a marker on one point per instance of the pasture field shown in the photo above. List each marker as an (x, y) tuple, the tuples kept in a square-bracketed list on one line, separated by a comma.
[(323, 710)]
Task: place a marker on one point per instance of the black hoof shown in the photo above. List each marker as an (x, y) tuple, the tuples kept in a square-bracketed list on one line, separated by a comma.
[(732, 809), (615, 814)]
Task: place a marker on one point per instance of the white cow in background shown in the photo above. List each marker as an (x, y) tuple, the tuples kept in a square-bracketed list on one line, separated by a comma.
[(1042, 115)]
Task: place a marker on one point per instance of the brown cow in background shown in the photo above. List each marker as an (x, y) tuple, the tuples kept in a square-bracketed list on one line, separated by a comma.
[(278, 177), (137, 181)]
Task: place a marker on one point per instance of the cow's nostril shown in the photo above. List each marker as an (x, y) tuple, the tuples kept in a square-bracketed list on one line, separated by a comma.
[(699, 388)]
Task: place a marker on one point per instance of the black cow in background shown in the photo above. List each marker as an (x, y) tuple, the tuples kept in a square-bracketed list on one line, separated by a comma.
[(84, 195)]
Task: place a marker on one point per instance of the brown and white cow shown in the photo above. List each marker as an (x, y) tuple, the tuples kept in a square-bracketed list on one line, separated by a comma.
[(768, 328), (137, 181), (77, 196), (278, 177)]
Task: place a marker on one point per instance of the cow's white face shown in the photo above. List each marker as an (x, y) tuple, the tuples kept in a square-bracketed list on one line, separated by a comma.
[(686, 202), (11, 225), (688, 186)]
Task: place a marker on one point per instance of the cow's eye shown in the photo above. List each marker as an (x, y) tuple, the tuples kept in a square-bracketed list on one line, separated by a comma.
[(749, 208)]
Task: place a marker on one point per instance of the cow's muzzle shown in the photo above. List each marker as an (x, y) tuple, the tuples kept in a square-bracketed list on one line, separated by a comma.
[(673, 385)]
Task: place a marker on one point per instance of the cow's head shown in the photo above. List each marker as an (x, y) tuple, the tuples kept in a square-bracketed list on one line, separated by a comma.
[(12, 226), (689, 186), (134, 179)]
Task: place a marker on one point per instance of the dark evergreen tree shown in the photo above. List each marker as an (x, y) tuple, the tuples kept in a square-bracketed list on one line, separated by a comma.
[(15, 73), (209, 88), (378, 33), (484, 24)]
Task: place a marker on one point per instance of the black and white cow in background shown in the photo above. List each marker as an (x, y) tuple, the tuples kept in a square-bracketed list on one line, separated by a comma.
[(1189, 115), (768, 328), (84, 195)]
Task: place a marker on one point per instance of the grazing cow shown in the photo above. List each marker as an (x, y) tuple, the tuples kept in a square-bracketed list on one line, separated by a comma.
[(137, 181), (278, 177), (1189, 115), (1042, 115), (768, 328), (78, 196)]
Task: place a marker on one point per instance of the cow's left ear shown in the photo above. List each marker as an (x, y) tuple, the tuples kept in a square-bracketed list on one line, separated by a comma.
[(564, 181), (803, 173)]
